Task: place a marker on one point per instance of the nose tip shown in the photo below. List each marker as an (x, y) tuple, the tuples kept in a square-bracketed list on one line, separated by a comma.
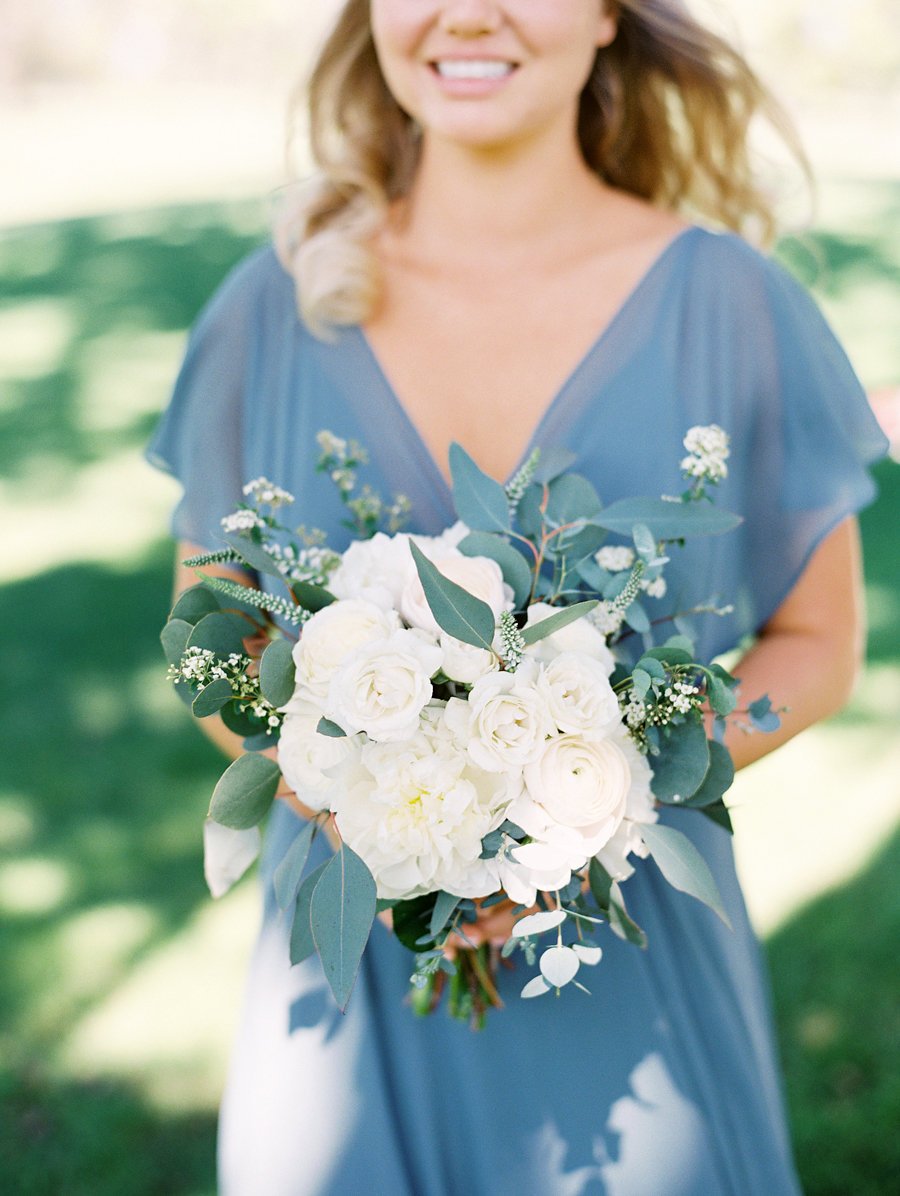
[(470, 18)]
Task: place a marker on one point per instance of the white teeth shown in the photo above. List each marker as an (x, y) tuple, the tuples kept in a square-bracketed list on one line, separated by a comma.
[(473, 68)]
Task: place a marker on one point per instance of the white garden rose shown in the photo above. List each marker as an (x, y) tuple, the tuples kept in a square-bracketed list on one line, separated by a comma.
[(330, 635), (479, 575), (465, 662), (505, 721), (579, 636), (383, 685), (304, 754), (581, 785), (579, 695), (373, 569), (640, 809), (416, 812)]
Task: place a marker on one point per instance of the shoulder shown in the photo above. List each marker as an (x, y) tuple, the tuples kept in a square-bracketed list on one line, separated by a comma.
[(256, 289)]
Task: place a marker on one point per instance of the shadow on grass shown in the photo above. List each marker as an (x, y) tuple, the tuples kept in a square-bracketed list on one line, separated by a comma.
[(834, 969)]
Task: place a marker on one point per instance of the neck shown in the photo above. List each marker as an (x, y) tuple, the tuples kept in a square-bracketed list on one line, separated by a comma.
[(485, 202)]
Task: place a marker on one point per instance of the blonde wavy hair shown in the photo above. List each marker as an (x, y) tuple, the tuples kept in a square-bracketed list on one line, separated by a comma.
[(664, 115)]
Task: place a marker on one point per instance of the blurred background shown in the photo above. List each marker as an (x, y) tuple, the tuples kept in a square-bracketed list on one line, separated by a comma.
[(141, 143)]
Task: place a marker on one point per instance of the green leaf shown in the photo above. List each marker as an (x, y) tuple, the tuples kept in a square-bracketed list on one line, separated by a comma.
[(563, 617), (666, 520), (194, 603), (239, 721), (683, 866), (174, 638), (718, 780), (575, 546), (245, 791), (326, 727), (341, 914), (644, 541), (412, 918), (620, 921), (600, 882), (680, 643), (254, 554), (718, 813), (289, 873), (593, 574), (651, 665), (276, 673), (457, 611), (302, 942), (528, 513), (480, 502), (312, 598), (670, 656), (220, 633), (572, 497), (212, 698), (636, 617), (681, 765), (552, 462), (721, 698), (641, 682), (514, 567), (444, 905)]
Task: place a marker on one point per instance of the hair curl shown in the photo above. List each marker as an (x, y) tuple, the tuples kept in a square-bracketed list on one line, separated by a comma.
[(665, 115)]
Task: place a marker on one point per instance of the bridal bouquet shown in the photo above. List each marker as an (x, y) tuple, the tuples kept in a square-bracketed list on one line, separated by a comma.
[(463, 714)]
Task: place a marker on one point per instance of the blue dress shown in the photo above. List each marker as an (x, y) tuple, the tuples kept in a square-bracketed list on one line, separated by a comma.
[(664, 1082)]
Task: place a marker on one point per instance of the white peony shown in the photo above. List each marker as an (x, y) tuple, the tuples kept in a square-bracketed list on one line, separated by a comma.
[(579, 695), (383, 685), (416, 812), (373, 569), (505, 721), (304, 755), (330, 636), (579, 636), (640, 809), (479, 575)]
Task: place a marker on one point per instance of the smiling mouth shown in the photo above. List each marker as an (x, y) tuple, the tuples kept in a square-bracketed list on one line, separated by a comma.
[(473, 68)]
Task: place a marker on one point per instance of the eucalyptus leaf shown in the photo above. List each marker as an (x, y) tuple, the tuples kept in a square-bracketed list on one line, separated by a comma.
[(683, 866), (310, 597), (529, 515), (572, 497), (480, 502), (670, 656), (718, 780), (194, 603), (620, 921), (637, 618), (254, 554), (326, 727), (721, 698), (239, 721), (174, 638), (515, 569), (681, 765), (220, 633), (212, 698), (561, 618), (644, 541), (718, 813), (302, 942), (341, 914), (412, 918), (600, 882), (666, 520), (455, 610), (245, 791), (552, 462), (577, 545), (276, 673), (444, 905), (538, 923), (593, 574), (651, 665), (289, 873), (641, 682)]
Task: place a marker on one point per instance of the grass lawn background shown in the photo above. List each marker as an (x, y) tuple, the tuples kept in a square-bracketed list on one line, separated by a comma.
[(120, 978)]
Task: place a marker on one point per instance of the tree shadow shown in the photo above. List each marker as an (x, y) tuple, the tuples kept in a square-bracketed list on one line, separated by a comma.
[(834, 972)]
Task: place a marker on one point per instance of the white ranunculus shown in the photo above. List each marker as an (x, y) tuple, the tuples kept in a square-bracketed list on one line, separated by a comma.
[(579, 695), (382, 686), (581, 785), (330, 636), (464, 662), (580, 636), (304, 756), (479, 575), (416, 812), (505, 721), (640, 808), (373, 569)]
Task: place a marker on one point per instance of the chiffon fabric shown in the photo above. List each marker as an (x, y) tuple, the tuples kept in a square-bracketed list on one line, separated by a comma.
[(664, 1081)]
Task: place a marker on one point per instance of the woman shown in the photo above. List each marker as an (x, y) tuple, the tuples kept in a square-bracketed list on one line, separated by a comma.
[(495, 252)]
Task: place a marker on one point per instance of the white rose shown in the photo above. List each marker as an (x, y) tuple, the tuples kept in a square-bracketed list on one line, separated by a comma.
[(579, 695), (330, 635), (581, 785), (416, 813), (383, 685), (640, 809), (464, 662), (579, 636), (304, 755), (505, 721), (479, 575), (373, 569)]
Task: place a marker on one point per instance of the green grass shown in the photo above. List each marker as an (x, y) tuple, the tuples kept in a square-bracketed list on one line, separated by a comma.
[(104, 782)]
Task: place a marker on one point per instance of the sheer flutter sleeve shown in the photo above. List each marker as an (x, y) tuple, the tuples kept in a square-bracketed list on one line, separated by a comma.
[(200, 438), (812, 436)]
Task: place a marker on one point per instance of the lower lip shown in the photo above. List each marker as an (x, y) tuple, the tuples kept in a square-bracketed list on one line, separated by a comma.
[(471, 88)]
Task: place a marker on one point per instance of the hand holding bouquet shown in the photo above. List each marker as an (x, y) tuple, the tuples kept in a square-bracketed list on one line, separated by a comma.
[(461, 711)]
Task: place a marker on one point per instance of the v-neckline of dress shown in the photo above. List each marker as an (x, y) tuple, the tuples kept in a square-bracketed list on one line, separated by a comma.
[(606, 333)]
